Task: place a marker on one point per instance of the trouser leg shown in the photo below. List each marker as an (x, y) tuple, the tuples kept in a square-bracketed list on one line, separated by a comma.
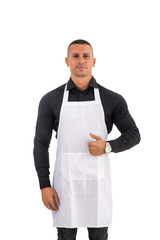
[(98, 233), (67, 233)]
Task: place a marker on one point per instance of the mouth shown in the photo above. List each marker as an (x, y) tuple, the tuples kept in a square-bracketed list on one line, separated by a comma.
[(81, 67)]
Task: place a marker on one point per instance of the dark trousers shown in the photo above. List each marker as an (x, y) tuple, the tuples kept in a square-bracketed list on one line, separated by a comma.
[(93, 233)]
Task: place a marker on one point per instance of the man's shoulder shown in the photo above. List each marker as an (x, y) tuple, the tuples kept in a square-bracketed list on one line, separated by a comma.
[(55, 93), (107, 93), (58, 90)]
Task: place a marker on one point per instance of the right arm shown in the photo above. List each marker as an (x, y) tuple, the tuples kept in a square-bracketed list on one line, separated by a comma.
[(43, 134)]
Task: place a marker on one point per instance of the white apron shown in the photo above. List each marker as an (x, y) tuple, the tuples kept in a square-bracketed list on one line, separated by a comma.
[(82, 181)]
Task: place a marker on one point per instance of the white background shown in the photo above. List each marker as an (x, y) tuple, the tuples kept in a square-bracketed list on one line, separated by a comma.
[(125, 36)]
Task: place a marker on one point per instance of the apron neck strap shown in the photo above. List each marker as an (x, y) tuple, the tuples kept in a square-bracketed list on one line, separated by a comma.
[(96, 94)]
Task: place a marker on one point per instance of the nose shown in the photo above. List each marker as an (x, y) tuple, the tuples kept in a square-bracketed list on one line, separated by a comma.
[(81, 59)]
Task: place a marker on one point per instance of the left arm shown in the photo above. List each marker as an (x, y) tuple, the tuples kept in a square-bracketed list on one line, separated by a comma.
[(130, 135)]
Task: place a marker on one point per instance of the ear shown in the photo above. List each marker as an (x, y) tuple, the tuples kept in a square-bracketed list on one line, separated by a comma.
[(94, 61), (67, 61)]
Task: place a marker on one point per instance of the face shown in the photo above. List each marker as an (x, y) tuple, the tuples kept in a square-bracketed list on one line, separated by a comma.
[(80, 60)]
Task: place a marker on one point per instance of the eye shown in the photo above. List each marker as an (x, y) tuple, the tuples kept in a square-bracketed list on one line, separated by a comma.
[(86, 56), (75, 56)]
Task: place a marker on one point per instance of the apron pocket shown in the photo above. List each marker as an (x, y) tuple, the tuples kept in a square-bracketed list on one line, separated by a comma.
[(82, 166)]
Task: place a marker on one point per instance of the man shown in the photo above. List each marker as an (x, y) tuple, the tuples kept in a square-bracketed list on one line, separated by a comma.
[(82, 113)]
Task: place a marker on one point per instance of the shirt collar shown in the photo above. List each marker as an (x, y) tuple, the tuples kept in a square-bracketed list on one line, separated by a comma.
[(92, 83)]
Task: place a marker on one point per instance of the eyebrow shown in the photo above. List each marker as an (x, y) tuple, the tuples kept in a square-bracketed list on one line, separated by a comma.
[(83, 53)]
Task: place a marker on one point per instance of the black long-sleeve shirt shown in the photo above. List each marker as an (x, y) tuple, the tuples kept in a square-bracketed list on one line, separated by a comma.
[(115, 111)]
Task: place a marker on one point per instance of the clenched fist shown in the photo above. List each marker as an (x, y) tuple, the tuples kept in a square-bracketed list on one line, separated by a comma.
[(97, 147)]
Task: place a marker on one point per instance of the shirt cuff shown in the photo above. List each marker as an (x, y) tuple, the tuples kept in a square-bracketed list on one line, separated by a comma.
[(44, 182), (114, 145)]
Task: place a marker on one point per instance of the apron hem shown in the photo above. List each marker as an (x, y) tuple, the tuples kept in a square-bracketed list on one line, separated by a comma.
[(76, 226)]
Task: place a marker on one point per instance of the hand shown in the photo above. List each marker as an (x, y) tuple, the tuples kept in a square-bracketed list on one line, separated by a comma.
[(97, 147), (50, 198)]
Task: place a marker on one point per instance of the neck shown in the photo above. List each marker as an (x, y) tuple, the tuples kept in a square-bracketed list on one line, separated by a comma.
[(81, 82)]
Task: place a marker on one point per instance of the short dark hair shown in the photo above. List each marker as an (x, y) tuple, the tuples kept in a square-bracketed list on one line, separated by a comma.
[(79, 41)]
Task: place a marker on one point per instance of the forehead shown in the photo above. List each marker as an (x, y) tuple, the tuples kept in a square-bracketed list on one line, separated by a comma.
[(80, 48)]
